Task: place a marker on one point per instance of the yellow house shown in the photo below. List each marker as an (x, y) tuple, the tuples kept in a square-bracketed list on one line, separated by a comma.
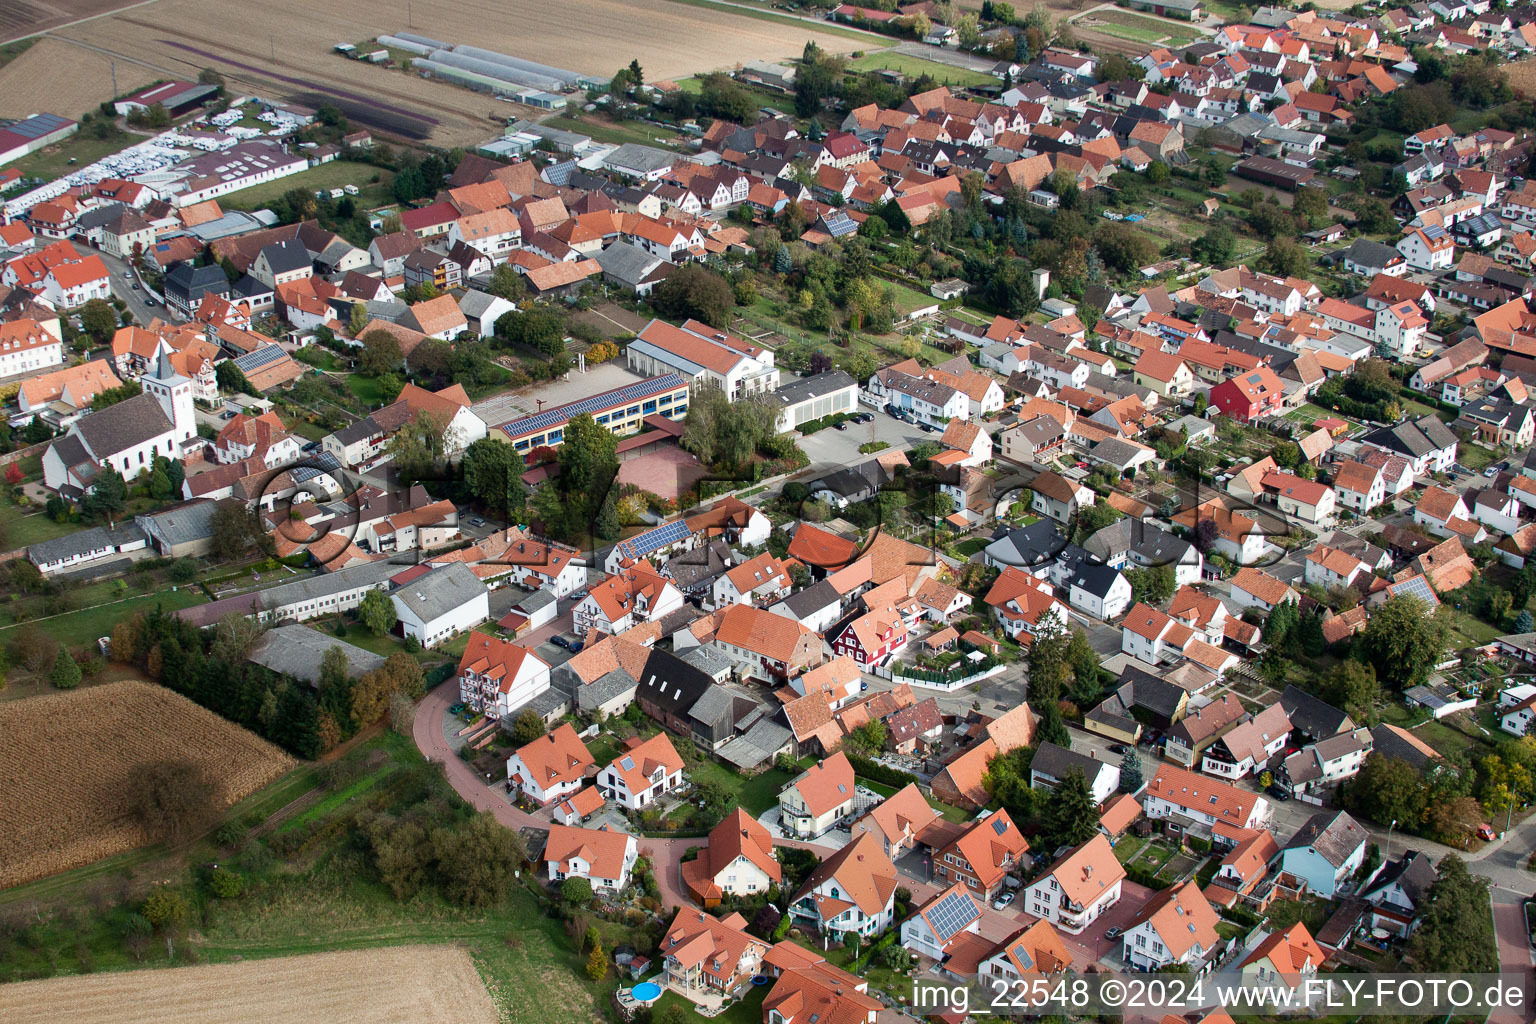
[(811, 804), (1164, 373)]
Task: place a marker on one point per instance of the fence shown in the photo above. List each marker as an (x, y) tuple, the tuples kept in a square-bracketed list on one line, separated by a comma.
[(944, 686)]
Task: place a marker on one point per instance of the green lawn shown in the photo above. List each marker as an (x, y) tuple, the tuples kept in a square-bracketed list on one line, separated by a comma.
[(1141, 29), (756, 793), (84, 626), (746, 1010), (619, 132), (916, 67), (20, 527), (970, 546), (335, 174), (1475, 457), (366, 389), (82, 147)]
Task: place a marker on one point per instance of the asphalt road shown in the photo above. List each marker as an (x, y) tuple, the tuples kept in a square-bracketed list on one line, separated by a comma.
[(136, 300)]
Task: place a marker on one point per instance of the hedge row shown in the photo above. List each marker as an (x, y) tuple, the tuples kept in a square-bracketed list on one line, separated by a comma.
[(879, 772)]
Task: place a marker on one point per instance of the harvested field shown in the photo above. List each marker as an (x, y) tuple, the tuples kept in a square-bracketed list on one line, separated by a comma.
[(1522, 75), (32, 82), (69, 757), (283, 47), (22, 17), (421, 984)]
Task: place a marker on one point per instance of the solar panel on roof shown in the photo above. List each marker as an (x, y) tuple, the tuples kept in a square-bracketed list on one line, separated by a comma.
[(952, 914), (1417, 587), (999, 826), (629, 393), (628, 764)]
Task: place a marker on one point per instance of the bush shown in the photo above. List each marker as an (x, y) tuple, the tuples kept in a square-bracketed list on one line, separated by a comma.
[(877, 772), (576, 891)]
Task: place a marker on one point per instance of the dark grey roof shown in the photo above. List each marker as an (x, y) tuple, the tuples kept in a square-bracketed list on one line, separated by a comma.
[(1145, 690), (122, 426), (182, 523), (603, 689), (287, 256), (99, 217), (675, 686), (627, 263), (1313, 716), (83, 541), (440, 591), (709, 661), (813, 387), (1095, 577), (193, 281), (1414, 871), (1415, 438), (357, 430), (1389, 744), (812, 599), (297, 651), (1368, 253), (1333, 834), (714, 705), (1054, 761), (1028, 546)]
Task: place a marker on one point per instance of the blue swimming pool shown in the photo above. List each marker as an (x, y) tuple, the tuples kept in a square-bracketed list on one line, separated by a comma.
[(646, 992)]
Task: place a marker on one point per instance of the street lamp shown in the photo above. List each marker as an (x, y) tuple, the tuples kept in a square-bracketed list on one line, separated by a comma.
[(1387, 856)]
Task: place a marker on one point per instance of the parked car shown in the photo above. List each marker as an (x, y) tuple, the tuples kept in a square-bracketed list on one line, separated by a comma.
[(841, 424), (228, 414), (1119, 748), (1491, 471), (1112, 933), (560, 641), (1279, 792), (1003, 899), (1485, 832), (456, 708), (476, 521)]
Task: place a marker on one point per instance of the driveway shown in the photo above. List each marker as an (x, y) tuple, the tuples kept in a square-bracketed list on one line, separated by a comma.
[(1514, 950), (1091, 946)]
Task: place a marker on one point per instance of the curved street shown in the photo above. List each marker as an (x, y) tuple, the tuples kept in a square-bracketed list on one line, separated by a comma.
[(666, 854)]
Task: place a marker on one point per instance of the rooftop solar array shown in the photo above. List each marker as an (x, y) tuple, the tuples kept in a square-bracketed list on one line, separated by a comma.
[(952, 914), (38, 125), (1416, 586), (655, 539), (597, 403), (260, 357)]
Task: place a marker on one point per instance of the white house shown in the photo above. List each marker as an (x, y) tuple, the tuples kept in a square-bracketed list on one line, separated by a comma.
[(642, 773), (1517, 709), (441, 604), (853, 890), (497, 677), (1428, 249), (705, 356), (1176, 926), (933, 926), (551, 767), (25, 347), (757, 581), (1052, 762), (602, 857), (1058, 498), (1185, 798), (1074, 891)]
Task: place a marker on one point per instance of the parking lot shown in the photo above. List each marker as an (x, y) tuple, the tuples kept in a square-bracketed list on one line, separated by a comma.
[(832, 449)]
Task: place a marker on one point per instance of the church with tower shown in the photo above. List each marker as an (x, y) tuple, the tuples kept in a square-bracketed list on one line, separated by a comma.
[(126, 436)]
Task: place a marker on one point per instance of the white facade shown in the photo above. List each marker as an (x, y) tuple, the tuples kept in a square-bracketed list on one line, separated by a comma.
[(1045, 900), (451, 623)]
